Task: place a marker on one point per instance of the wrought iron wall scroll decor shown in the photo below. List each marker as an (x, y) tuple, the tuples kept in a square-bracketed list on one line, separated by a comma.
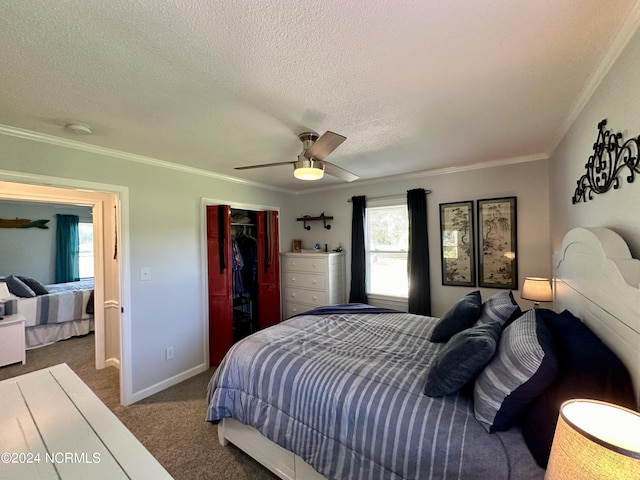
[(610, 157)]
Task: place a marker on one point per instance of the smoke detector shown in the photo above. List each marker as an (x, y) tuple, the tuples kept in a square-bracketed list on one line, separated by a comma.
[(79, 128)]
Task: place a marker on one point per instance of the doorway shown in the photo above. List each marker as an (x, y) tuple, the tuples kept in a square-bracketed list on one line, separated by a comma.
[(106, 210)]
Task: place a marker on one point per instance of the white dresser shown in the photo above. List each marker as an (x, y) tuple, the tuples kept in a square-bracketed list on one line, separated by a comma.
[(12, 343), (311, 280)]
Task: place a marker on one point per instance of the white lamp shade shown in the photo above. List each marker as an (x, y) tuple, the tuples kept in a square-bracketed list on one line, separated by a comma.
[(4, 292), (308, 168), (595, 441), (308, 173), (537, 289)]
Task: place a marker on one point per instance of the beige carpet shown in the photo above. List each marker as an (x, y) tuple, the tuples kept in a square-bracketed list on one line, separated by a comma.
[(170, 424)]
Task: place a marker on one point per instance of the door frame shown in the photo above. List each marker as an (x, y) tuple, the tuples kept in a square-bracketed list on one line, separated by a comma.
[(204, 203), (51, 189)]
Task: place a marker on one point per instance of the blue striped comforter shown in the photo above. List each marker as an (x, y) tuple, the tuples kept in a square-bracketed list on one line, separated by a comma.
[(345, 392)]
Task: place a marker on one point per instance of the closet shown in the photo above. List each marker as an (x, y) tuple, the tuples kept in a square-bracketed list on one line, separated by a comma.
[(243, 275)]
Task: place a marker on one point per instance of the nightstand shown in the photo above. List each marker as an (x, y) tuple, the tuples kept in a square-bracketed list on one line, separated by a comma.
[(12, 343)]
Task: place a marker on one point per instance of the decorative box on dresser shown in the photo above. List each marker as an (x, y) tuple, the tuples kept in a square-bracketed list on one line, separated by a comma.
[(311, 280)]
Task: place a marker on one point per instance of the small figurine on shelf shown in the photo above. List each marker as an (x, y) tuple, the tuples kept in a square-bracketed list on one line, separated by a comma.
[(338, 248)]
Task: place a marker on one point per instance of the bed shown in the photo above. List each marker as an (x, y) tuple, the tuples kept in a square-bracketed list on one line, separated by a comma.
[(342, 393), (54, 312)]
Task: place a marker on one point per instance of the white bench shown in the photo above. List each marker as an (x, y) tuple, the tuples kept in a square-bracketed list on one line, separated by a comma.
[(52, 426)]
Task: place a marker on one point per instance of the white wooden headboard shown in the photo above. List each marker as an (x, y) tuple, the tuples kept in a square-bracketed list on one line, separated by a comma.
[(597, 280)]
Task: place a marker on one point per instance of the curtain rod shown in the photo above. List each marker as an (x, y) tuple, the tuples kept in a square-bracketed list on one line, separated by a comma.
[(427, 192)]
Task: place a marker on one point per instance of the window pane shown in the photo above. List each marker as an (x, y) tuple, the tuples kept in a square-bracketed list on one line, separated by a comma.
[(387, 246), (388, 274), (388, 228), (85, 234)]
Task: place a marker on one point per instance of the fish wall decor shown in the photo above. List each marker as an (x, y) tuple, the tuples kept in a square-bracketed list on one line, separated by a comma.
[(23, 223)]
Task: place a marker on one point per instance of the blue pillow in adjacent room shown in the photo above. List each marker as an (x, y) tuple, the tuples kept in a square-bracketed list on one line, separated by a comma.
[(18, 287), (587, 368), (524, 366), (501, 307), (461, 316), (461, 359), (34, 285)]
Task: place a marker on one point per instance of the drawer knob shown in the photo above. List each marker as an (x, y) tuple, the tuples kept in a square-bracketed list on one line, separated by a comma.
[(314, 298), (293, 295), (293, 279), (314, 281)]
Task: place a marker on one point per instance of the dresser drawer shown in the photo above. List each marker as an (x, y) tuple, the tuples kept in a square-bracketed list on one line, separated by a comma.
[(305, 264), (290, 309), (304, 280), (310, 297)]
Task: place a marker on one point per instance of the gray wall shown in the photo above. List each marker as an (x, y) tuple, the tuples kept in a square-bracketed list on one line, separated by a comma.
[(527, 181), (616, 99)]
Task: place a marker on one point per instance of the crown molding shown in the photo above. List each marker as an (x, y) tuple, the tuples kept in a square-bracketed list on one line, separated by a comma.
[(432, 173), (66, 143), (618, 44)]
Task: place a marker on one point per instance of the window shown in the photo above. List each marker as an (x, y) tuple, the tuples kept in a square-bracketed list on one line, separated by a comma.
[(85, 255), (387, 244)]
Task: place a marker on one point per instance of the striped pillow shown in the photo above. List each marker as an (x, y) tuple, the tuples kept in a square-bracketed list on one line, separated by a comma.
[(500, 307), (524, 366)]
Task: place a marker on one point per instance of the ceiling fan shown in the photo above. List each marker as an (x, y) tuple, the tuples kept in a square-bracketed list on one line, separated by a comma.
[(311, 163)]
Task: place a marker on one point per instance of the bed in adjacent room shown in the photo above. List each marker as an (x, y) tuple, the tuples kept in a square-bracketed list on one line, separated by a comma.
[(358, 392), (52, 312)]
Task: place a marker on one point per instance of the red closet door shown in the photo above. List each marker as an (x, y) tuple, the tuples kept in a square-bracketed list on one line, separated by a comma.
[(220, 278), (268, 269)]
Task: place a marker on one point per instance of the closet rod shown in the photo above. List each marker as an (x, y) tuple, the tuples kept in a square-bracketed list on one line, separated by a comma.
[(427, 192)]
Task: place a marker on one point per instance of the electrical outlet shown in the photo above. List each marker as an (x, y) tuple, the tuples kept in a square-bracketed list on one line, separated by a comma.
[(169, 353)]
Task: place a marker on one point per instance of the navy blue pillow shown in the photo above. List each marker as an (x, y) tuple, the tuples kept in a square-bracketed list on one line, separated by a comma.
[(524, 366), (34, 285), (587, 368), (462, 358), (18, 287), (461, 316)]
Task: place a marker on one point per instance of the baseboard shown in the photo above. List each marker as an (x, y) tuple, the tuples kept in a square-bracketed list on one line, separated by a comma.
[(169, 382), (112, 362)]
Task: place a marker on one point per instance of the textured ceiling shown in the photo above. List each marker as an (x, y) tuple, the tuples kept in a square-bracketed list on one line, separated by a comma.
[(413, 85)]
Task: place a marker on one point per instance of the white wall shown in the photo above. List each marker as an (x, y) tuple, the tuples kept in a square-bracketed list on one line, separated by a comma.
[(31, 251), (527, 181), (616, 99)]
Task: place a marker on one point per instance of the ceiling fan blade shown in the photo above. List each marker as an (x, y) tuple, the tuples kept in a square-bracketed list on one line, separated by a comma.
[(247, 167), (326, 144), (339, 172)]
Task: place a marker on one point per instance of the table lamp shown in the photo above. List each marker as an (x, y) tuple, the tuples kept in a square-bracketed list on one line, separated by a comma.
[(595, 441), (537, 289)]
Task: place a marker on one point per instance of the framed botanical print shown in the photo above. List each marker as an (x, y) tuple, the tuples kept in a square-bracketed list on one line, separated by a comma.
[(497, 243), (457, 244)]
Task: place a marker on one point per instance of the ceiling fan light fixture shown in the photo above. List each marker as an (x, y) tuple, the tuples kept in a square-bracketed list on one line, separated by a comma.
[(308, 169)]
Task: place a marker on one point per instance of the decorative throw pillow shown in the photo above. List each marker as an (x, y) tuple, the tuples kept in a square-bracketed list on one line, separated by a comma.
[(462, 315), (18, 287), (587, 368), (461, 359), (34, 285), (523, 367), (500, 307)]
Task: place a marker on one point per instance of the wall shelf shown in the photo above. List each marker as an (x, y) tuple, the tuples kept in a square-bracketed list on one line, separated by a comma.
[(322, 218)]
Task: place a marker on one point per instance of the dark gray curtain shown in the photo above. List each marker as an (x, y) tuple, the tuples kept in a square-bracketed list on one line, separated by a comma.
[(67, 249), (358, 293), (418, 261)]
